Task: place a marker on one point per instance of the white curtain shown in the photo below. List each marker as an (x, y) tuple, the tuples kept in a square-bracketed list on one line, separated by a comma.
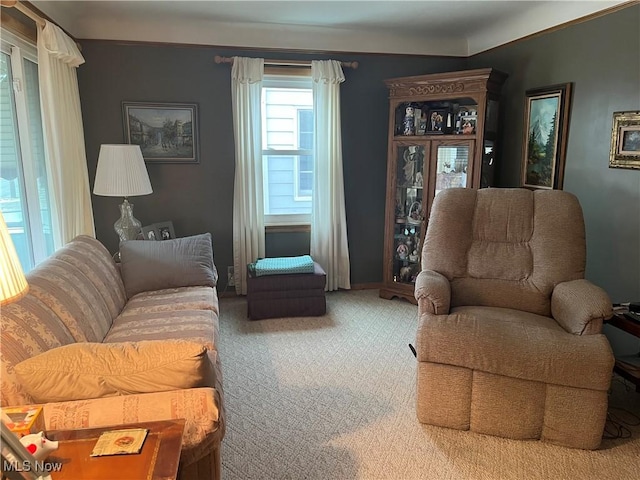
[(58, 58), (328, 219), (248, 209)]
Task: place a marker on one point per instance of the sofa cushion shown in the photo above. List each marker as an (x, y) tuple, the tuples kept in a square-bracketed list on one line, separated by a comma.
[(200, 407), (74, 299), (94, 260), (29, 327), (82, 286), (155, 265), (94, 370), (170, 316), (171, 299)]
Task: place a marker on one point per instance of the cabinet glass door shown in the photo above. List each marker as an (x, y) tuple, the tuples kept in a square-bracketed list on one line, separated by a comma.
[(452, 164), (409, 216)]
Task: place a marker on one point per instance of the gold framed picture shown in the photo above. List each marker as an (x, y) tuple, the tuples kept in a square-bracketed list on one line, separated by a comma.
[(625, 140)]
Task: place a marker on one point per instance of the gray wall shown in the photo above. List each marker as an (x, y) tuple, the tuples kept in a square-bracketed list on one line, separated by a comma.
[(602, 59), (198, 198)]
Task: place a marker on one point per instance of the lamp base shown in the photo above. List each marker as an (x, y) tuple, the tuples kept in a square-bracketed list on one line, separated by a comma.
[(127, 226)]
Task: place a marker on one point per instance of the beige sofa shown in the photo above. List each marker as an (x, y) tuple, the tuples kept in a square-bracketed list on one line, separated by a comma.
[(80, 303), (509, 336)]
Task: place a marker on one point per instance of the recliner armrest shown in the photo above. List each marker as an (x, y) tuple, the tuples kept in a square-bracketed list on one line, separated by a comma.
[(433, 293), (580, 307)]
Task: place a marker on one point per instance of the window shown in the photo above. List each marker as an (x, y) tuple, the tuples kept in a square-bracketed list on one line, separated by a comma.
[(304, 173), (24, 191), (287, 148)]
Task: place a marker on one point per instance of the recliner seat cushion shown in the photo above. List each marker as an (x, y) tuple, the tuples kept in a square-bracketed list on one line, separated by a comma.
[(515, 344)]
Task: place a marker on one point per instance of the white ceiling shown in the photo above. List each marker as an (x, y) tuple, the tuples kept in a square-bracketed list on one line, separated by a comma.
[(444, 27)]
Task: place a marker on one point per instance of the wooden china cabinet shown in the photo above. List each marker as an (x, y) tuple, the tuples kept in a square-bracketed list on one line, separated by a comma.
[(443, 130)]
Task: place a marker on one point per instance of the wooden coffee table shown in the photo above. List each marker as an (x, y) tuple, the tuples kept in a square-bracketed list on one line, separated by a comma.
[(158, 459)]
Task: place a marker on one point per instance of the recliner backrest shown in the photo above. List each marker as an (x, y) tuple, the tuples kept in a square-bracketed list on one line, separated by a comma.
[(505, 247)]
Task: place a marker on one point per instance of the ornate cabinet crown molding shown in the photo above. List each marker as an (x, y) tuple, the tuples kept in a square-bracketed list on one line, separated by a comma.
[(437, 88), (400, 90)]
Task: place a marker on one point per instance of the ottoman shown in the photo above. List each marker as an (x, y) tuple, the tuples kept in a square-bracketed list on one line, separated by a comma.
[(286, 295)]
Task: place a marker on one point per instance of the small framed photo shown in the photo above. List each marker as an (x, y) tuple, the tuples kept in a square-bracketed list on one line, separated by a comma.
[(164, 231), (166, 132), (625, 140), (468, 124), (149, 233), (420, 120), (435, 121), (402, 251)]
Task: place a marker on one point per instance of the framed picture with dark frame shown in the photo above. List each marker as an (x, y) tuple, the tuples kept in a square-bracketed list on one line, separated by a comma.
[(164, 230), (468, 124), (149, 232), (435, 121), (166, 132), (546, 126), (625, 140)]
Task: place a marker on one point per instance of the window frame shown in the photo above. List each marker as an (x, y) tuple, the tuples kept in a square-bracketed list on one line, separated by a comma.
[(19, 51), (297, 169), (301, 79)]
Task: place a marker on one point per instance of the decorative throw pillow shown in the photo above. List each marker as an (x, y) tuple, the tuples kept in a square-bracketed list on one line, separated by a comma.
[(92, 370), (155, 265)]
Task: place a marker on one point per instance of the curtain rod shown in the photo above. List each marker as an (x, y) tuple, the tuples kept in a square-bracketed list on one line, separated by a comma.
[(25, 10), (284, 63), (21, 7)]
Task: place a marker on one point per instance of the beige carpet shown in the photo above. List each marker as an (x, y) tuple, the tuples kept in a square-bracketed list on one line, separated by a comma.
[(333, 398)]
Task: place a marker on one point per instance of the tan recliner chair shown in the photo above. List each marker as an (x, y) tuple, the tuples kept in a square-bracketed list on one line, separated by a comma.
[(509, 340)]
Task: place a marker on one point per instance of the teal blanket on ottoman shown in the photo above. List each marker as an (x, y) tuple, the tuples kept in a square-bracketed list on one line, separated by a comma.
[(285, 292), (282, 265)]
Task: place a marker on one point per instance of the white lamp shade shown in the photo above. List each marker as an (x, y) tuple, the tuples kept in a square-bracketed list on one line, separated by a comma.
[(13, 284), (121, 172)]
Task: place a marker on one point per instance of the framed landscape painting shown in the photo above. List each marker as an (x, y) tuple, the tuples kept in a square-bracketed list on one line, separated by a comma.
[(546, 125), (166, 132)]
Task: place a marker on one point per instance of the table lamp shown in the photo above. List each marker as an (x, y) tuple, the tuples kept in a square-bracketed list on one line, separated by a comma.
[(13, 285), (121, 172)]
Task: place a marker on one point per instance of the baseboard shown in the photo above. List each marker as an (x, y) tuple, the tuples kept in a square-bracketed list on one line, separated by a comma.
[(229, 294), (354, 286), (366, 286)]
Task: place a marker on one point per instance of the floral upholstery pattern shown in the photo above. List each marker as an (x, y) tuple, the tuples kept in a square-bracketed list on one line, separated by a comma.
[(93, 259), (194, 325), (199, 406), (80, 282), (77, 295), (185, 298), (29, 327)]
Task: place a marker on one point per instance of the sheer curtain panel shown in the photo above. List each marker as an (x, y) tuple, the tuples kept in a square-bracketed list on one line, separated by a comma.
[(248, 202), (58, 58), (328, 219)]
